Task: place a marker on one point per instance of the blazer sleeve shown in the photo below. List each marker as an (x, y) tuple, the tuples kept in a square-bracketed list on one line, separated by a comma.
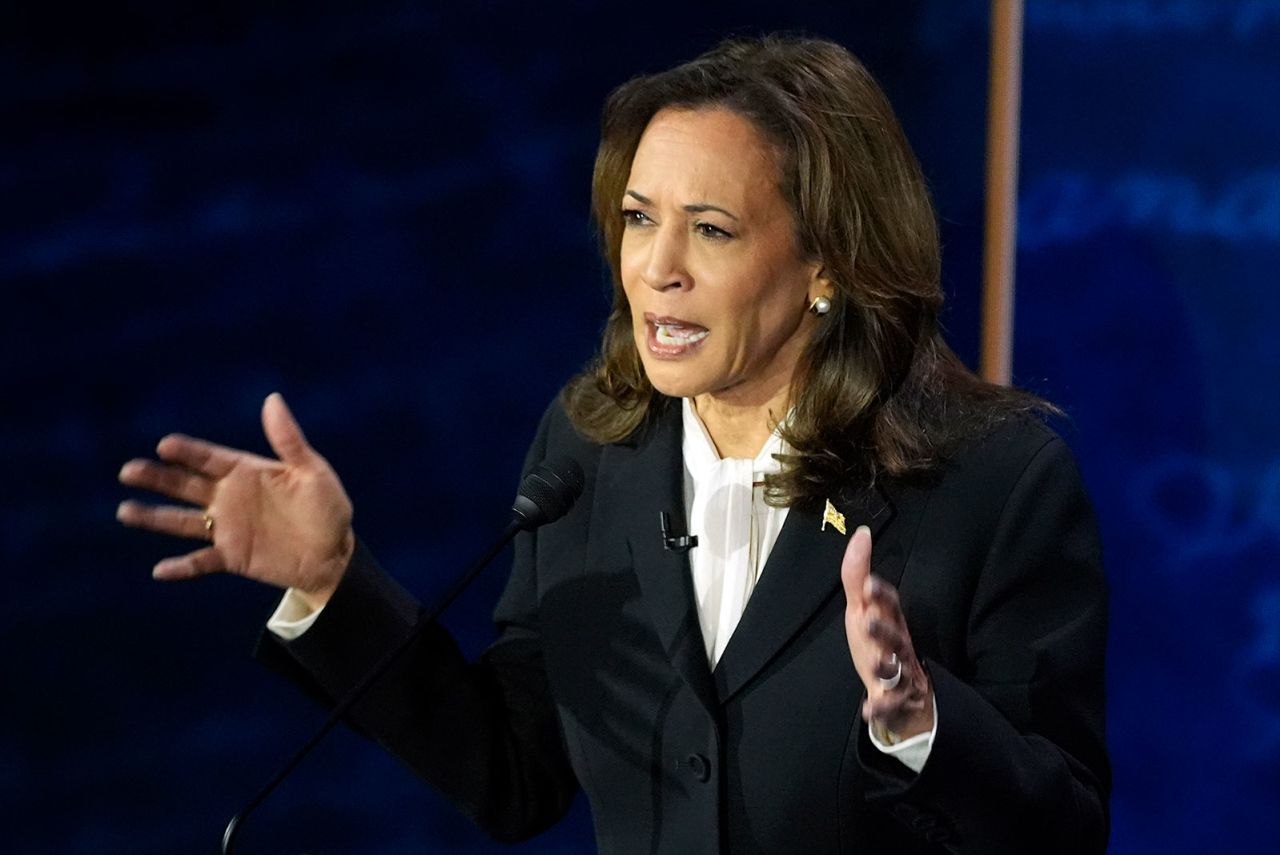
[(486, 734), (1019, 763)]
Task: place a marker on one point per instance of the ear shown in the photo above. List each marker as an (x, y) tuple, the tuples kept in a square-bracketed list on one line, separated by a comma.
[(820, 284)]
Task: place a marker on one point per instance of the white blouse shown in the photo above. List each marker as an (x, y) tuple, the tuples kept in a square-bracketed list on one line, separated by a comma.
[(736, 529)]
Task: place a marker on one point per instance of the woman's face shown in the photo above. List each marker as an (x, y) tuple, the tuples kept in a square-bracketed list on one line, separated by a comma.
[(717, 286)]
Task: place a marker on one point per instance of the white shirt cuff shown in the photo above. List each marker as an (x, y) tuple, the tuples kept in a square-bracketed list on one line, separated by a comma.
[(292, 617), (912, 752)]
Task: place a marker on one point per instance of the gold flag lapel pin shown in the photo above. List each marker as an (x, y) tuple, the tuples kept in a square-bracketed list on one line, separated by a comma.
[(831, 515)]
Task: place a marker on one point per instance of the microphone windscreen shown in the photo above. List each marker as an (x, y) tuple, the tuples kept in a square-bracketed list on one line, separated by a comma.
[(548, 492)]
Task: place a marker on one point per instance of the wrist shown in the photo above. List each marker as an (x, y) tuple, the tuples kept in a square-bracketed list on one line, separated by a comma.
[(913, 715), (317, 596), (916, 723), (903, 730)]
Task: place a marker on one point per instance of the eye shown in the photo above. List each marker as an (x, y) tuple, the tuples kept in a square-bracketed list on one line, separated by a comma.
[(711, 232), (634, 217)]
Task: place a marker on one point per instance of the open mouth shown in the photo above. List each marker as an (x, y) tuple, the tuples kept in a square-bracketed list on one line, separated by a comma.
[(673, 336)]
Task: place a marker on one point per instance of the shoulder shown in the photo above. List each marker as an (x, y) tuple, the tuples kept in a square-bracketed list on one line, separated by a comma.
[(1009, 509), (557, 427), (557, 437), (1006, 449), (1019, 459)]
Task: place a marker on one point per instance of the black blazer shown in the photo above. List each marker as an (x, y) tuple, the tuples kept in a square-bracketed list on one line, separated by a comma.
[(599, 676)]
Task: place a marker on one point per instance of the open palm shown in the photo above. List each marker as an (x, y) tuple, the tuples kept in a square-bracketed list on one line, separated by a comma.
[(285, 522)]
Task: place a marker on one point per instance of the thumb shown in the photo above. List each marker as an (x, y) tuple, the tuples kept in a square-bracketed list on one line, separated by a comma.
[(856, 565), (283, 432)]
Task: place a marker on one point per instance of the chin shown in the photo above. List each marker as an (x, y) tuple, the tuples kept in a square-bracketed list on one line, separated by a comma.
[(673, 381)]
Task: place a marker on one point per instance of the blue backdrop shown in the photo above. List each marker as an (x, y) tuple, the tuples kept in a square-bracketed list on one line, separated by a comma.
[(383, 214)]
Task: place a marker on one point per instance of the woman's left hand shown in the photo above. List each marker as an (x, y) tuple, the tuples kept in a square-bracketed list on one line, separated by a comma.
[(880, 644)]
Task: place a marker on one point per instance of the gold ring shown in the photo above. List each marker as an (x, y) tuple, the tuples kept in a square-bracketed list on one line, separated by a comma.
[(208, 524)]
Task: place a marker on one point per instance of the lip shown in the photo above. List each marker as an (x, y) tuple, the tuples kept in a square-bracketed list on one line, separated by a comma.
[(666, 350), (651, 318)]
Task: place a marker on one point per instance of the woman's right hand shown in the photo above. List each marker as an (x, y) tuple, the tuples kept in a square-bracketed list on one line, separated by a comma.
[(285, 522)]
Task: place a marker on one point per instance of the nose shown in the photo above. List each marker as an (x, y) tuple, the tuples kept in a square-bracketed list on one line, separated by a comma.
[(664, 268)]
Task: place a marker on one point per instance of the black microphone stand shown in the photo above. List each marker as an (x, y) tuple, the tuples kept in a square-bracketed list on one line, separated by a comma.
[(356, 693), (546, 494)]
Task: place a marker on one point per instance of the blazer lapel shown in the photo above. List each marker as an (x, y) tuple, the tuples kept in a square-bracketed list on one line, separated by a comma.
[(647, 478), (802, 573)]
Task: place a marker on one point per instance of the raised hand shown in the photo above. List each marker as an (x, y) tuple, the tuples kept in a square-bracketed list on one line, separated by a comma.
[(899, 702), (285, 522)]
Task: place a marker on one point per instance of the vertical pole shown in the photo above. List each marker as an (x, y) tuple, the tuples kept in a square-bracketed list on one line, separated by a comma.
[(1004, 99)]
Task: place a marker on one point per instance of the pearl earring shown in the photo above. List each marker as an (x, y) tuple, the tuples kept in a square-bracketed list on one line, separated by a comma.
[(820, 305)]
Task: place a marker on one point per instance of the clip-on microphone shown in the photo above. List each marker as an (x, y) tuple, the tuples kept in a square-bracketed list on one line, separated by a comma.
[(673, 543)]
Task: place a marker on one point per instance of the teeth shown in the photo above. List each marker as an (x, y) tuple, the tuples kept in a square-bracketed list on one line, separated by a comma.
[(673, 335)]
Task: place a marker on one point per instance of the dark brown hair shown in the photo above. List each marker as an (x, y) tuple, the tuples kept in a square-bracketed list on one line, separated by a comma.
[(877, 390)]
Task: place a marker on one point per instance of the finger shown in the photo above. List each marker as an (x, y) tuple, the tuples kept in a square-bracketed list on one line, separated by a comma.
[(881, 593), (165, 519), (887, 666), (855, 568), (283, 432), (176, 482), (193, 564), (888, 636), (890, 708), (207, 458), (882, 710)]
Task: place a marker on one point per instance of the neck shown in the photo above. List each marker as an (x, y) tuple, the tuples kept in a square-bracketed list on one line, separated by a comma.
[(740, 426), (740, 418)]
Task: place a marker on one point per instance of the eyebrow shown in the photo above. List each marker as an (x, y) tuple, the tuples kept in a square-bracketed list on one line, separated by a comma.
[(692, 209)]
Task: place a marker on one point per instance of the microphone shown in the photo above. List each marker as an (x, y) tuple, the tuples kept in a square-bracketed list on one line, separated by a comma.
[(546, 494), (672, 543)]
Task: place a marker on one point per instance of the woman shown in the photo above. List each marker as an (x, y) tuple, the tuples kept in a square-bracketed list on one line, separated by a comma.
[(773, 375)]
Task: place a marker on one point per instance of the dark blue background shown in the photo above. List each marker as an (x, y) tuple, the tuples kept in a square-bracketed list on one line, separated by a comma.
[(382, 213)]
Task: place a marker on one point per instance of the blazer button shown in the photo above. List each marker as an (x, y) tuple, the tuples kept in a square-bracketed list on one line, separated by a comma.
[(699, 767)]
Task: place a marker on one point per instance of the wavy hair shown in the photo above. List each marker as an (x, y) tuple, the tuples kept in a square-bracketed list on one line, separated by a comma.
[(877, 391)]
